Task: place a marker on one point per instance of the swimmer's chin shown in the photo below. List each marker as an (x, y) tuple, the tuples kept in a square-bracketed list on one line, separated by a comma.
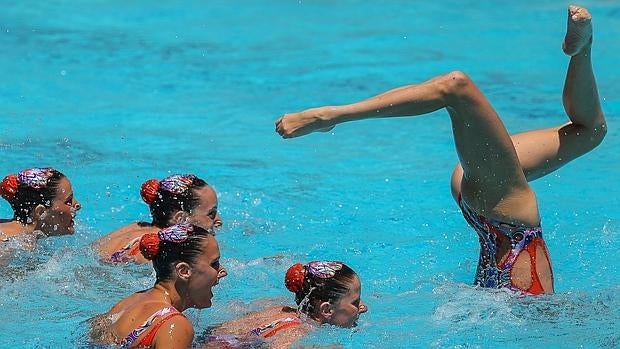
[(351, 325), (69, 230), (66, 231)]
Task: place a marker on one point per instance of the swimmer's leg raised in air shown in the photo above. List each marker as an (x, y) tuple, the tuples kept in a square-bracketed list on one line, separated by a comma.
[(544, 151)]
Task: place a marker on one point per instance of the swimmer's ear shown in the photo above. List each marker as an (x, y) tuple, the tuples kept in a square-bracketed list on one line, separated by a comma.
[(39, 212), (183, 270), (325, 312), (180, 217)]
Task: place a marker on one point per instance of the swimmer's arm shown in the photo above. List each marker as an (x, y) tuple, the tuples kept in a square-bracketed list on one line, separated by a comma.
[(176, 333)]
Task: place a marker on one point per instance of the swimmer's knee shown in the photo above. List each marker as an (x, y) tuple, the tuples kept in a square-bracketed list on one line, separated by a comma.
[(594, 133), (458, 77), (456, 84)]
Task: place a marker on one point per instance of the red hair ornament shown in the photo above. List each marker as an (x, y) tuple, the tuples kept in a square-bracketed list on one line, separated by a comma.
[(149, 191), (294, 278), (149, 245), (9, 187)]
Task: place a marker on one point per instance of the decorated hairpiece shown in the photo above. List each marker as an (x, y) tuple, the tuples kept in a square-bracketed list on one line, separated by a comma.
[(176, 233), (35, 178), (296, 274), (324, 269), (177, 184), (149, 243)]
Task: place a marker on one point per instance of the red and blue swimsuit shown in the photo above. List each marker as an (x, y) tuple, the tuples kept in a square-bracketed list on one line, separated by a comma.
[(493, 274)]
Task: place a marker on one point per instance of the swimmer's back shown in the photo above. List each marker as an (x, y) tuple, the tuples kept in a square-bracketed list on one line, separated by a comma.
[(120, 238)]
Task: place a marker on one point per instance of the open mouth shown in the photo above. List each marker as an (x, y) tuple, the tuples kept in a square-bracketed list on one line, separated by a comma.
[(72, 222), (71, 227)]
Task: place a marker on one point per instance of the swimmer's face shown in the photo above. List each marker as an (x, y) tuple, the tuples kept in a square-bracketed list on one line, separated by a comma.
[(346, 311), (205, 215), (205, 273), (58, 219)]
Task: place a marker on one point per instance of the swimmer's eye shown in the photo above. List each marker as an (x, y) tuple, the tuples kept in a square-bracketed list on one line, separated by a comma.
[(216, 265), (213, 213)]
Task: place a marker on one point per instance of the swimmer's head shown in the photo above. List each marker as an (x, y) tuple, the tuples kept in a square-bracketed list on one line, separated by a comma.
[(181, 199), (43, 197), (327, 291), (188, 255)]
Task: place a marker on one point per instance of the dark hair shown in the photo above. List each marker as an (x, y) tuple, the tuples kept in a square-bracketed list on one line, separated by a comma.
[(177, 243), (311, 289), (164, 204), (23, 197)]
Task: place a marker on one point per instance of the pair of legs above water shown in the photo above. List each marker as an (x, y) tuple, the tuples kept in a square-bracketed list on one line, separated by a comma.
[(491, 181)]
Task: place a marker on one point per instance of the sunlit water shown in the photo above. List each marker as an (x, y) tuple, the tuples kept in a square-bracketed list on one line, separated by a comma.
[(116, 92)]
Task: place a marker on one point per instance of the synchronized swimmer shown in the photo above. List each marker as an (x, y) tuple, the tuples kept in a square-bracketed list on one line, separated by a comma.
[(490, 184)]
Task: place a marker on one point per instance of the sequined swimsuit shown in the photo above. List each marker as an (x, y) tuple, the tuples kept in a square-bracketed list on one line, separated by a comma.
[(154, 322), (273, 327), (128, 252), (230, 341), (490, 272)]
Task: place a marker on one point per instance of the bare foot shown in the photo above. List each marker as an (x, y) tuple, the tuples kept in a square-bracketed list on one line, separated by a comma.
[(302, 123), (578, 31)]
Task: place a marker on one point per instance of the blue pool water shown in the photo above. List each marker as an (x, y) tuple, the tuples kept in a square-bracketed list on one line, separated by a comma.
[(116, 92)]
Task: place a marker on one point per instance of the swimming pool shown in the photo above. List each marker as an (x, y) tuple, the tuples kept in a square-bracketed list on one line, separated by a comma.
[(117, 92)]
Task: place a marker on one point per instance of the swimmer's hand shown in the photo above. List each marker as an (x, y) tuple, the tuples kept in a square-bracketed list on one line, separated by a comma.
[(302, 123)]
